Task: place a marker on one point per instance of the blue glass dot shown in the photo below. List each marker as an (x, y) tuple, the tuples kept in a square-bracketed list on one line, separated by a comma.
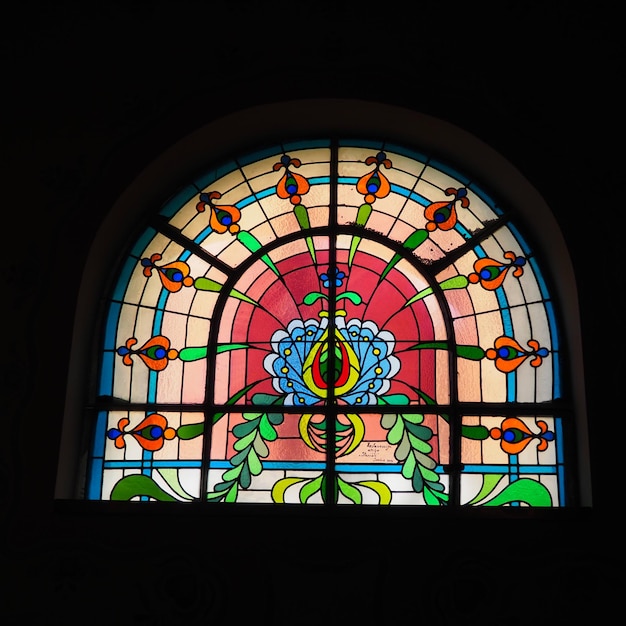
[(440, 217), (146, 262), (156, 432), (226, 220), (508, 435), (485, 274), (160, 353), (372, 187), (503, 352), (292, 188)]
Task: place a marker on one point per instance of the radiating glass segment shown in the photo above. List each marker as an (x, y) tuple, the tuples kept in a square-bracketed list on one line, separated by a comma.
[(309, 325)]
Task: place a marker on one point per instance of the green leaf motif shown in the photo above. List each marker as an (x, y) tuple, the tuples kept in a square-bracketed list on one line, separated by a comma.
[(227, 347), (253, 244), (232, 473), (192, 354), (383, 491), (472, 353), (207, 284), (525, 490), (456, 282), (394, 436), (281, 486), (171, 477), (190, 431), (411, 437), (477, 433), (245, 428), (243, 443), (139, 485), (394, 398), (310, 489), (351, 492), (312, 297), (260, 447), (411, 242)]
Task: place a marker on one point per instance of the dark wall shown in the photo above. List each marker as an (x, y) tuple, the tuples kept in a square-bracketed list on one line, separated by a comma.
[(94, 91)]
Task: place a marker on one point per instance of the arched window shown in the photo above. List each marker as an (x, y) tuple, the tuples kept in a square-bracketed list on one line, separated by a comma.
[(339, 318)]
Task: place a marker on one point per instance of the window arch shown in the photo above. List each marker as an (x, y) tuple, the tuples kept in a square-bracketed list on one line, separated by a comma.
[(389, 294)]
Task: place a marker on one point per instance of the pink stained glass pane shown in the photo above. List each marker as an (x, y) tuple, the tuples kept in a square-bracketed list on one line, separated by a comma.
[(364, 304)]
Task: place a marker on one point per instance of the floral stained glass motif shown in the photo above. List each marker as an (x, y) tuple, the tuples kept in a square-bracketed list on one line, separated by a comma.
[(331, 323)]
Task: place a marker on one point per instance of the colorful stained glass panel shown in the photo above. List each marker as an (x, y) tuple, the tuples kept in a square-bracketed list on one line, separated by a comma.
[(313, 324)]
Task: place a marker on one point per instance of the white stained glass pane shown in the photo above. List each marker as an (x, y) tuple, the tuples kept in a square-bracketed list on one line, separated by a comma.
[(478, 213), (132, 321), (520, 324), (159, 244), (318, 196), (540, 329), (255, 496), (526, 378), (407, 169), (187, 219), (262, 176), (256, 172), (352, 160), (252, 217), (109, 478), (466, 217), (181, 484), (471, 485), (273, 206), (231, 186), (434, 182)]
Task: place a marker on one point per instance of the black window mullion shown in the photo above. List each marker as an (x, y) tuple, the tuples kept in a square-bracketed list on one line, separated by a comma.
[(331, 405)]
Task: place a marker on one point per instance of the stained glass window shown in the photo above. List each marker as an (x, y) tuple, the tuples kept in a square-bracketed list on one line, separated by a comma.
[(331, 323)]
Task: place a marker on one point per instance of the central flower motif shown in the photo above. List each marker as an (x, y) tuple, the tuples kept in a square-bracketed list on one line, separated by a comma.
[(355, 359)]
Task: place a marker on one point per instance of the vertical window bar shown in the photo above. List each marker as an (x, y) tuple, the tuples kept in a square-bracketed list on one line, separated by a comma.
[(331, 405)]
